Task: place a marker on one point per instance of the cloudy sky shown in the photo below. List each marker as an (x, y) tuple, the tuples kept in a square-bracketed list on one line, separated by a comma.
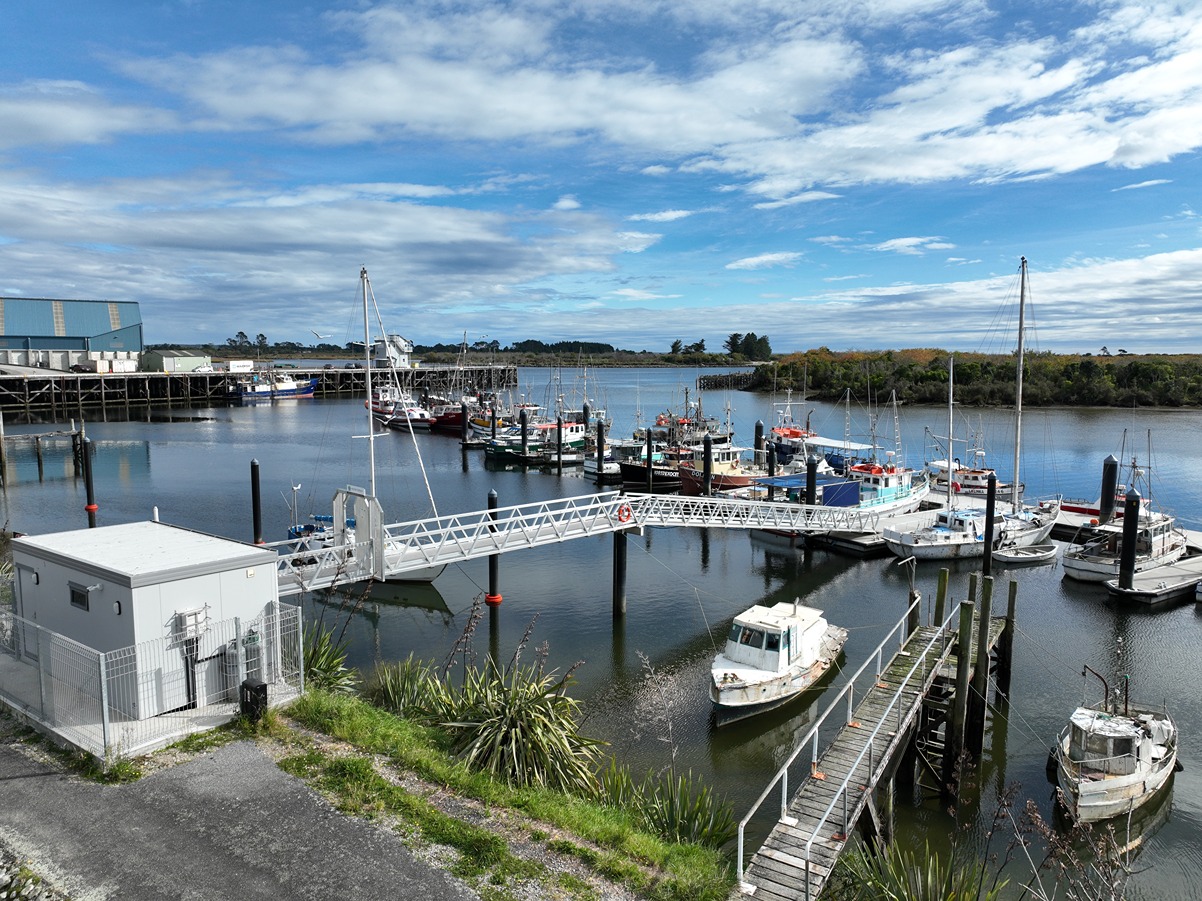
[(825, 172)]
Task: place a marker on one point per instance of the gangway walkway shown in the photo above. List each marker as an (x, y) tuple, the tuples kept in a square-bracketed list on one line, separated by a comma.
[(410, 546), (812, 829)]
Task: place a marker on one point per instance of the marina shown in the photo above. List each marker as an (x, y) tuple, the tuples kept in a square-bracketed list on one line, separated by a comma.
[(684, 585)]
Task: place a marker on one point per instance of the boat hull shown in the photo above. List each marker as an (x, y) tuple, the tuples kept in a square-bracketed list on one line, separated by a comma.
[(734, 702)]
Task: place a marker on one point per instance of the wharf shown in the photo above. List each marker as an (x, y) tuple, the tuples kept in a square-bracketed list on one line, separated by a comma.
[(27, 393)]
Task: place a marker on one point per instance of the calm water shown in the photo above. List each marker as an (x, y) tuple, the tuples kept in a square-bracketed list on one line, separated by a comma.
[(643, 680)]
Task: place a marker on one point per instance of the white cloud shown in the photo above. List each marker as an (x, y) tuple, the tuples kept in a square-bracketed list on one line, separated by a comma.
[(765, 261), (664, 216)]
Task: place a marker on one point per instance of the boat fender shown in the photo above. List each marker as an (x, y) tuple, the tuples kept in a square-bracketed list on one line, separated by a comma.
[(624, 513), (1178, 766)]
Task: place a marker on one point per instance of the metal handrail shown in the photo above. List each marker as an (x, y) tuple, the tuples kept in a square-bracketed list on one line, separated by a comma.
[(941, 635), (782, 774)]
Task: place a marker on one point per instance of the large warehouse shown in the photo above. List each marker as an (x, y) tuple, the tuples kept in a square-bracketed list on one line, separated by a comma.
[(56, 334)]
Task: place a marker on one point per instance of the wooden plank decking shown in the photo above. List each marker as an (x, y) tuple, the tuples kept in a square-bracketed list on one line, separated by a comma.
[(778, 870)]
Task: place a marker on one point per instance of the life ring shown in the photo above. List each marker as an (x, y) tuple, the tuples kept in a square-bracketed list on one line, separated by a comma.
[(956, 487), (624, 513)]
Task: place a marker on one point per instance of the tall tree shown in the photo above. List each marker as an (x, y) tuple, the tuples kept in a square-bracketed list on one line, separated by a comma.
[(677, 346), (733, 343)]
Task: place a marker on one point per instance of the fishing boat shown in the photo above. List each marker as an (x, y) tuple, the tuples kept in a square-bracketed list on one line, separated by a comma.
[(968, 479), (772, 655), (271, 385), (532, 443), (960, 533), (1025, 556), (1108, 763), (1158, 542)]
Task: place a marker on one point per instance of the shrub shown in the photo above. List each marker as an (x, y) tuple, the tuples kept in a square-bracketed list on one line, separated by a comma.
[(325, 661)]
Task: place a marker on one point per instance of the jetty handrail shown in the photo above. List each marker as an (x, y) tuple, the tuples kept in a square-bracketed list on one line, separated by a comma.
[(870, 743), (782, 774)]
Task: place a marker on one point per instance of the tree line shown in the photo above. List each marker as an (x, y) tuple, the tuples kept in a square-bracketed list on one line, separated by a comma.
[(921, 377)]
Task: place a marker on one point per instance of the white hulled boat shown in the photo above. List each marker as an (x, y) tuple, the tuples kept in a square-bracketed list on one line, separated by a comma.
[(1109, 763), (772, 655)]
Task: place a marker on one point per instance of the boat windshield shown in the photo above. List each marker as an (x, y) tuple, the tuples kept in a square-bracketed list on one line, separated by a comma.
[(745, 635)]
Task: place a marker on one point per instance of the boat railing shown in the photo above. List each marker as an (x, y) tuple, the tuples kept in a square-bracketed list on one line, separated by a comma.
[(811, 738)]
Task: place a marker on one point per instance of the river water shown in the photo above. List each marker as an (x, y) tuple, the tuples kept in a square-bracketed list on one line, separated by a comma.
[(643, 679)]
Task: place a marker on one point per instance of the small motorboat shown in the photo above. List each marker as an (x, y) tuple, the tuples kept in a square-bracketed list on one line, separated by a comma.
[(1022, 556), (1109, 763), (772, 655)]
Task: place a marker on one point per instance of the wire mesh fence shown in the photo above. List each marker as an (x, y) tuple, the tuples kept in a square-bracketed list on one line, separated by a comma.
[(135, 699)]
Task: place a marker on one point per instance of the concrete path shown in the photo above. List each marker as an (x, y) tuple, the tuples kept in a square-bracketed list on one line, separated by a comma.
[(228, 824)]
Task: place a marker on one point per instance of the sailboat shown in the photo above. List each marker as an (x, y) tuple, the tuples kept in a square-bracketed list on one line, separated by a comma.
[(960, 532), (325, 530)]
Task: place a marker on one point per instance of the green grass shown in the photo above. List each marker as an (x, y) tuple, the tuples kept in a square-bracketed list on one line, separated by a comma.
[(647, 864)]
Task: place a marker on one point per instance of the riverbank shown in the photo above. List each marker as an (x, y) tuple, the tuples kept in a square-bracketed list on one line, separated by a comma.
[(290, 812)]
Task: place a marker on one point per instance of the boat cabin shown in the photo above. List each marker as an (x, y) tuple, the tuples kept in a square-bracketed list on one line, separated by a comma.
[(1114, 745), (772, 638)]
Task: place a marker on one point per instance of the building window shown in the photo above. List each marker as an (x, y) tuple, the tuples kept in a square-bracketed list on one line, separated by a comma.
[(79, 597)]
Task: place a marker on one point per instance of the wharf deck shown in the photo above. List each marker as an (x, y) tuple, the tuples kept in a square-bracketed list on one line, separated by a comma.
[(801, 851)]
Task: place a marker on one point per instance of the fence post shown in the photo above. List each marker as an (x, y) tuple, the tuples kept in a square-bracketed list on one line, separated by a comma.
[(41, 672), (241, 651), (299, 638), (104, 703)]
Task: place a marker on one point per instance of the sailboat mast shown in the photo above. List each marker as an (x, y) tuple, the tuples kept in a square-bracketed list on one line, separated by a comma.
[(951, 424), (1018, 381), (371, 423)]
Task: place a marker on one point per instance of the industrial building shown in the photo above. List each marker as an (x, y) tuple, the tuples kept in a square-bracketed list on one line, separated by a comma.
[(59, 334)]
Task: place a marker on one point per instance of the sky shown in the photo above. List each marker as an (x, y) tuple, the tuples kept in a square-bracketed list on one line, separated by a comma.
[(855, 175)]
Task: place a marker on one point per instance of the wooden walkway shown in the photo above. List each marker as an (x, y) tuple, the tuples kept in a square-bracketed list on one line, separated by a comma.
[(800, 853)]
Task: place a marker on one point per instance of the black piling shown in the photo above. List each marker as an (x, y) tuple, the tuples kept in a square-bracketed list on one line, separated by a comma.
[(256, 506), (707, 466), (619, 587), (1130, 538), (1110, 487), (464, 423), (600, 451), (493, 598), (1005, 650), (559, 445), (524, 420), (990, 506), (90, 506), (812, 479)]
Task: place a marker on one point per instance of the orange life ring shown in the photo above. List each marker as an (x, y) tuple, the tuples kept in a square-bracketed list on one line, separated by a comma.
[(624, 513)]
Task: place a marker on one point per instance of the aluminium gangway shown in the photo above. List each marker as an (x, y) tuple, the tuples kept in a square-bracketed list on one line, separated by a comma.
[(390, 551)]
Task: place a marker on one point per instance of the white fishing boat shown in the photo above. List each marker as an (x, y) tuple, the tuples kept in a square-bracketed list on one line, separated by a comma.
[(1158, 542), (959, 533), (1110, 763), (1025, 556), (772, 655)]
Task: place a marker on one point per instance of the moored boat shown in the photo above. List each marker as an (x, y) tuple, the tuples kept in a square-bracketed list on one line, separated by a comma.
[(772, 655), (1110, 763), (1025, 556), (270, 385)]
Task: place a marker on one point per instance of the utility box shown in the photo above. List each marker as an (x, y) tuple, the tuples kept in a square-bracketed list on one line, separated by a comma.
[(156, 593), (252, 699)]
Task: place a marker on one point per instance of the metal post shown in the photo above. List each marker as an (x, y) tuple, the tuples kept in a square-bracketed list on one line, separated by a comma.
[(256, 506), (90, 506), (619, 587), (811, 479), (990, 506), (104, 701), (771, 451), (707, 467), (1110, 487), (600, 451), (559, 445), (493, 598), (1131, 506), (523, 420)]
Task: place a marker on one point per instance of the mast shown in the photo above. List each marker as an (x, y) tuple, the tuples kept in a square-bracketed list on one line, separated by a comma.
[(371, 423), (951, 423), (1018, 382)]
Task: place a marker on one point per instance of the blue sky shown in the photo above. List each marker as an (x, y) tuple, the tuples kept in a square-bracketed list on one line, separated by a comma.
[(859, 175)]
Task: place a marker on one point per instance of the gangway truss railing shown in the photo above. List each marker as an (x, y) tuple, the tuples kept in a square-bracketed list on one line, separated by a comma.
[(811, 738), (458, 537)]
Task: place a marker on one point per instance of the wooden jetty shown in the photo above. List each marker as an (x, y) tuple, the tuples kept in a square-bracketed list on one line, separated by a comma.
[(40, 393), (918, 699)]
